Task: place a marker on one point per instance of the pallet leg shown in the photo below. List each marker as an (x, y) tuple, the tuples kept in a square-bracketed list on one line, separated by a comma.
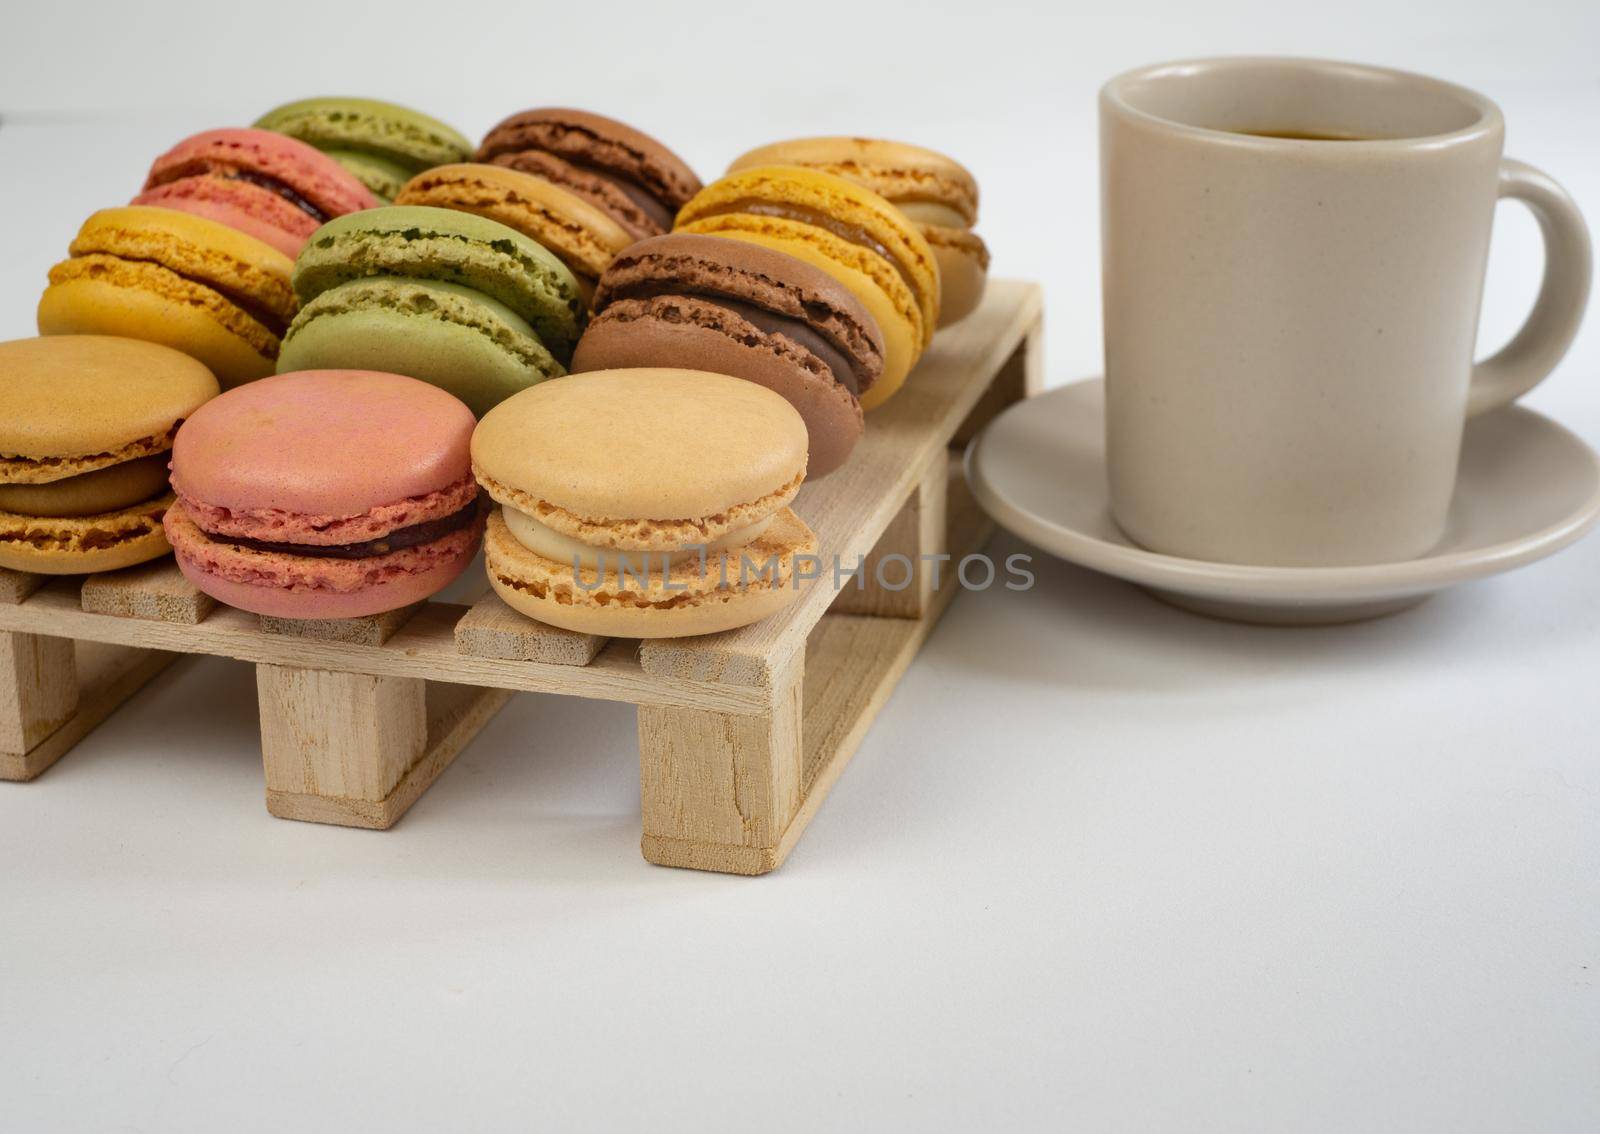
[(718, 791), (53, 691), (357, 750)]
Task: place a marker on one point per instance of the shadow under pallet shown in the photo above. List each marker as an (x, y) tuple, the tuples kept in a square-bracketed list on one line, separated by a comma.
[(741, 734)]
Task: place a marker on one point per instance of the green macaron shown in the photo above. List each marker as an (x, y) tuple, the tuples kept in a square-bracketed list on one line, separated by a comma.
[(450, 336), (451, 298), (347, 127)]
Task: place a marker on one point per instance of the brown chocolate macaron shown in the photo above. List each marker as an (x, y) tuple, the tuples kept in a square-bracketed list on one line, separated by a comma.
[(730, 307), (626, 174)]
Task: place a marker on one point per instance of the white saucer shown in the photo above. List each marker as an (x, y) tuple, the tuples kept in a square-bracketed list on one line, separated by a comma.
[(1527, 488)]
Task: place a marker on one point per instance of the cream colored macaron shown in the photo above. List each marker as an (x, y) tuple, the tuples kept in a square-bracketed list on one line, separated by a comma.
[(645, 503)]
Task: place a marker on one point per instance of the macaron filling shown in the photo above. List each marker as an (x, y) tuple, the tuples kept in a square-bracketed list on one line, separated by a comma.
[(411, 535), (108, 489), (545, 541)]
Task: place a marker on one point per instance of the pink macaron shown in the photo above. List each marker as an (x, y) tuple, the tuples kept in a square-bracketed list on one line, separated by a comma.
[(325, 494), (275, 188)]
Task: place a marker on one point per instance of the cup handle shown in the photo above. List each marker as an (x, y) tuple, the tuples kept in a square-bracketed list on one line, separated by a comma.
[(1527, 359)]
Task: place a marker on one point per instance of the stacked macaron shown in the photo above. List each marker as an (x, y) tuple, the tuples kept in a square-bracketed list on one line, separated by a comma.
[(382, 145), (644, 503), (937, 193), (582, 185), (274, 188), (742, 309), (176, 278), (84, 439), (325, 494), (454, 299), (623, 172), (847, 231)]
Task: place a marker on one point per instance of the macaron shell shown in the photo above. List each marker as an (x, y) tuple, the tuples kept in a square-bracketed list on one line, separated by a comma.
[(157, 306), (897, 171), (82, 396), (110, 489), (240, 205), (963, 271), (642, 448), (289, 586), (584, 238), (402, 135), (867, 277), (680, 332), (906, 255), (476, 363), (328, 442), (82, 544), (546, 590)]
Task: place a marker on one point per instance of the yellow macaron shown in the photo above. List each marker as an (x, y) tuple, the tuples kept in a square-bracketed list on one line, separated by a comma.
[(848, 231), (580, 235), (937, 193), (184, 281)]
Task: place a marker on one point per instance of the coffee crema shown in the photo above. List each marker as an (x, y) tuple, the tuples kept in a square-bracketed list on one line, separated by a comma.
[(1306, 136)]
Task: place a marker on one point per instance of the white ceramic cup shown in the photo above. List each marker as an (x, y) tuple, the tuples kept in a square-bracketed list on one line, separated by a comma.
[(1289, 323)]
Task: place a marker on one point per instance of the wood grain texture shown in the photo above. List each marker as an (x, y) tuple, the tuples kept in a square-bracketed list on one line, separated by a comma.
[(38, 689), (491, 629), (850, 509), (898, 577), (156, 591), (348, 735), (106, 677), (368, 630), (455, 714), (716, 790), (18, 585), (425, 647)]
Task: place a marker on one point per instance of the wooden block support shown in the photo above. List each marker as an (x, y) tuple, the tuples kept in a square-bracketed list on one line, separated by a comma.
[(18, 585), (357, 750), (491, 629), (369, 630), (38, 689), (156, 591), (39, 679), (717, 791)]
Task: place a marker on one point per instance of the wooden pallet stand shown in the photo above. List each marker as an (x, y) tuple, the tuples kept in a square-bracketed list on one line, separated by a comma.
[(741, 734)]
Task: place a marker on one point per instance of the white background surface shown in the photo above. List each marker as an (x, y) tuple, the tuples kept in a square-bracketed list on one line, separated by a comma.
[(1100, 864)]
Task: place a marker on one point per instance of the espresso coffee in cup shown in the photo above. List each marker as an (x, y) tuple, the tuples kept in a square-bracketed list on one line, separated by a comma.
[(1294, 255)]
